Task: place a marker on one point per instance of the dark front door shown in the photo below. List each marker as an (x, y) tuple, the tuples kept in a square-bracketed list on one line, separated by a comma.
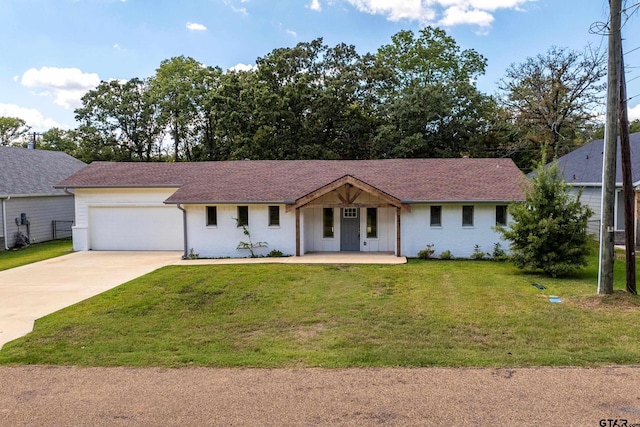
[(349, 229)]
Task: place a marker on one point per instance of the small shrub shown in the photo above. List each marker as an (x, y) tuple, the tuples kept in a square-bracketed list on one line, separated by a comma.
[(275, 254), (427, 252), (477, 253), (192, 254), (446, 255), (250, 245), (499, 254)]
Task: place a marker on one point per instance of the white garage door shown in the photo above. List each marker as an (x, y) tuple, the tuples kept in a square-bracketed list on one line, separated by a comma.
[(150, 228)]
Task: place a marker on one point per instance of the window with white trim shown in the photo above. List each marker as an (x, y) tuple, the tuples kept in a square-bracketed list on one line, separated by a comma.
[(467, 216), (327, 222), (350, 212), (435, 219), (243, 216), (212, 216), (501, 215), (372, 223), (274, 216)]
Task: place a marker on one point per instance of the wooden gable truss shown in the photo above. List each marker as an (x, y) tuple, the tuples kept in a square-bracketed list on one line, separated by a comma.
[(347, 190)]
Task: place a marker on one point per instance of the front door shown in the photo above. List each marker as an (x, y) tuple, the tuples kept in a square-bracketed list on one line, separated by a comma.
[(349, 229)]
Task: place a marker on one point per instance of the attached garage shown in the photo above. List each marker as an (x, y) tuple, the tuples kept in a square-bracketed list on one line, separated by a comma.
[(148, 228)]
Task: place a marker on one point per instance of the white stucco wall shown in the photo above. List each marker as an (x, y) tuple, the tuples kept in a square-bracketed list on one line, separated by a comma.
[(222, 240), (416, 232)]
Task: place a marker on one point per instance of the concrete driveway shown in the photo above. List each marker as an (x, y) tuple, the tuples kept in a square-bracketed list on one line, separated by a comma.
[(35, 290)]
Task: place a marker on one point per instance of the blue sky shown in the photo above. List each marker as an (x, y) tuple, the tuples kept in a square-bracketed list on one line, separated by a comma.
[(56, 50)]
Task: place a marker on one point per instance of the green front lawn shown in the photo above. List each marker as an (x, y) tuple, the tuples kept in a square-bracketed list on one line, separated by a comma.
[(34, 253), (434, 313)]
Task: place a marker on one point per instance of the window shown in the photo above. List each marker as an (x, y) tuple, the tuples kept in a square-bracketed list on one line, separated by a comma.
[(212, 216), (467, 216), (327, 222), (243, 216), (372, 223), (501, 215), (274, 216), (436, 216), (350, 213)]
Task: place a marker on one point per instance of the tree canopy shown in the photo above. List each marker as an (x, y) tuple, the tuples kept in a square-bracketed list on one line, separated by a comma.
[(414, 97), (12, 129), (552, 100)]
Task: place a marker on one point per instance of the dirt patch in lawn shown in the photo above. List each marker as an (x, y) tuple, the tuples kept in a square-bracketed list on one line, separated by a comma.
[(620, 301)]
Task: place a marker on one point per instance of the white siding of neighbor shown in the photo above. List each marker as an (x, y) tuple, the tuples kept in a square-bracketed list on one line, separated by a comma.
[(88, 200), (40, 211), (592, 197), (451, 235), (222, 239)]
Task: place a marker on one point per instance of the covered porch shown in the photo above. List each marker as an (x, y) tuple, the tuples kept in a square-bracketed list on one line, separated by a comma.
[(348, 216)]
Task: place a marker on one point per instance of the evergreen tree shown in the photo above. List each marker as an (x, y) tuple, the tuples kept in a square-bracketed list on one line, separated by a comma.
[(550, 228)]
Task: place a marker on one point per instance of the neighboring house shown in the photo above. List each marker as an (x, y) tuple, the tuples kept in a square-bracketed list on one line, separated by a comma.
[(582, 168), (28, 202), (395, 206)]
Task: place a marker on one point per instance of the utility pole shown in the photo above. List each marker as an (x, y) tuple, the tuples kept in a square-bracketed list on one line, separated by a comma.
[(627, 185), (607, 254)]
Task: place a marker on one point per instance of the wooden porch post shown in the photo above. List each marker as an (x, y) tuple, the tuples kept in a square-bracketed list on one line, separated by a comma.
[(398, 246), (297, 231)]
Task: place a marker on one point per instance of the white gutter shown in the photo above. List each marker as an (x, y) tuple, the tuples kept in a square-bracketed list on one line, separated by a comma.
[(4, 222)]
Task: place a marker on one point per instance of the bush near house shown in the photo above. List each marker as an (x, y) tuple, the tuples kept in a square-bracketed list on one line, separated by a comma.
[(549, 231)]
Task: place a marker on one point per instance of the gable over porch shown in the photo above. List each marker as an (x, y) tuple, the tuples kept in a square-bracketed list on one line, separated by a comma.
[(341, 208)]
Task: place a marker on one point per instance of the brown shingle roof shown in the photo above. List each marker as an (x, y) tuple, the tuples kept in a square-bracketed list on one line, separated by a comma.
[(410, 180)]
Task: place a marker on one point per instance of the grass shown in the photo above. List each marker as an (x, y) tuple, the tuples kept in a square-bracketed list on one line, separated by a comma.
[(434, 313), (34, 253)]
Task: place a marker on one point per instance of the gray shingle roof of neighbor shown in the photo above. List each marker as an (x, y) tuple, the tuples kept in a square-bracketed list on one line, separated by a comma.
[(261, 181), (584, 165), (26, 172)]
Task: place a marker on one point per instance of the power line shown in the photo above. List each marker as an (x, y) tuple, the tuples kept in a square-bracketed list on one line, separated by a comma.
[(632, 50)]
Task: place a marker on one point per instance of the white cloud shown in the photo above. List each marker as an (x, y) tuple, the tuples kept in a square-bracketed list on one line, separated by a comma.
[(440, 12), (243, 67), (315, 5), (634, 113), (292, 33), (33, 117), (66, 85), (455, 16), (396, 10), (192, 26), (241, 10)]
